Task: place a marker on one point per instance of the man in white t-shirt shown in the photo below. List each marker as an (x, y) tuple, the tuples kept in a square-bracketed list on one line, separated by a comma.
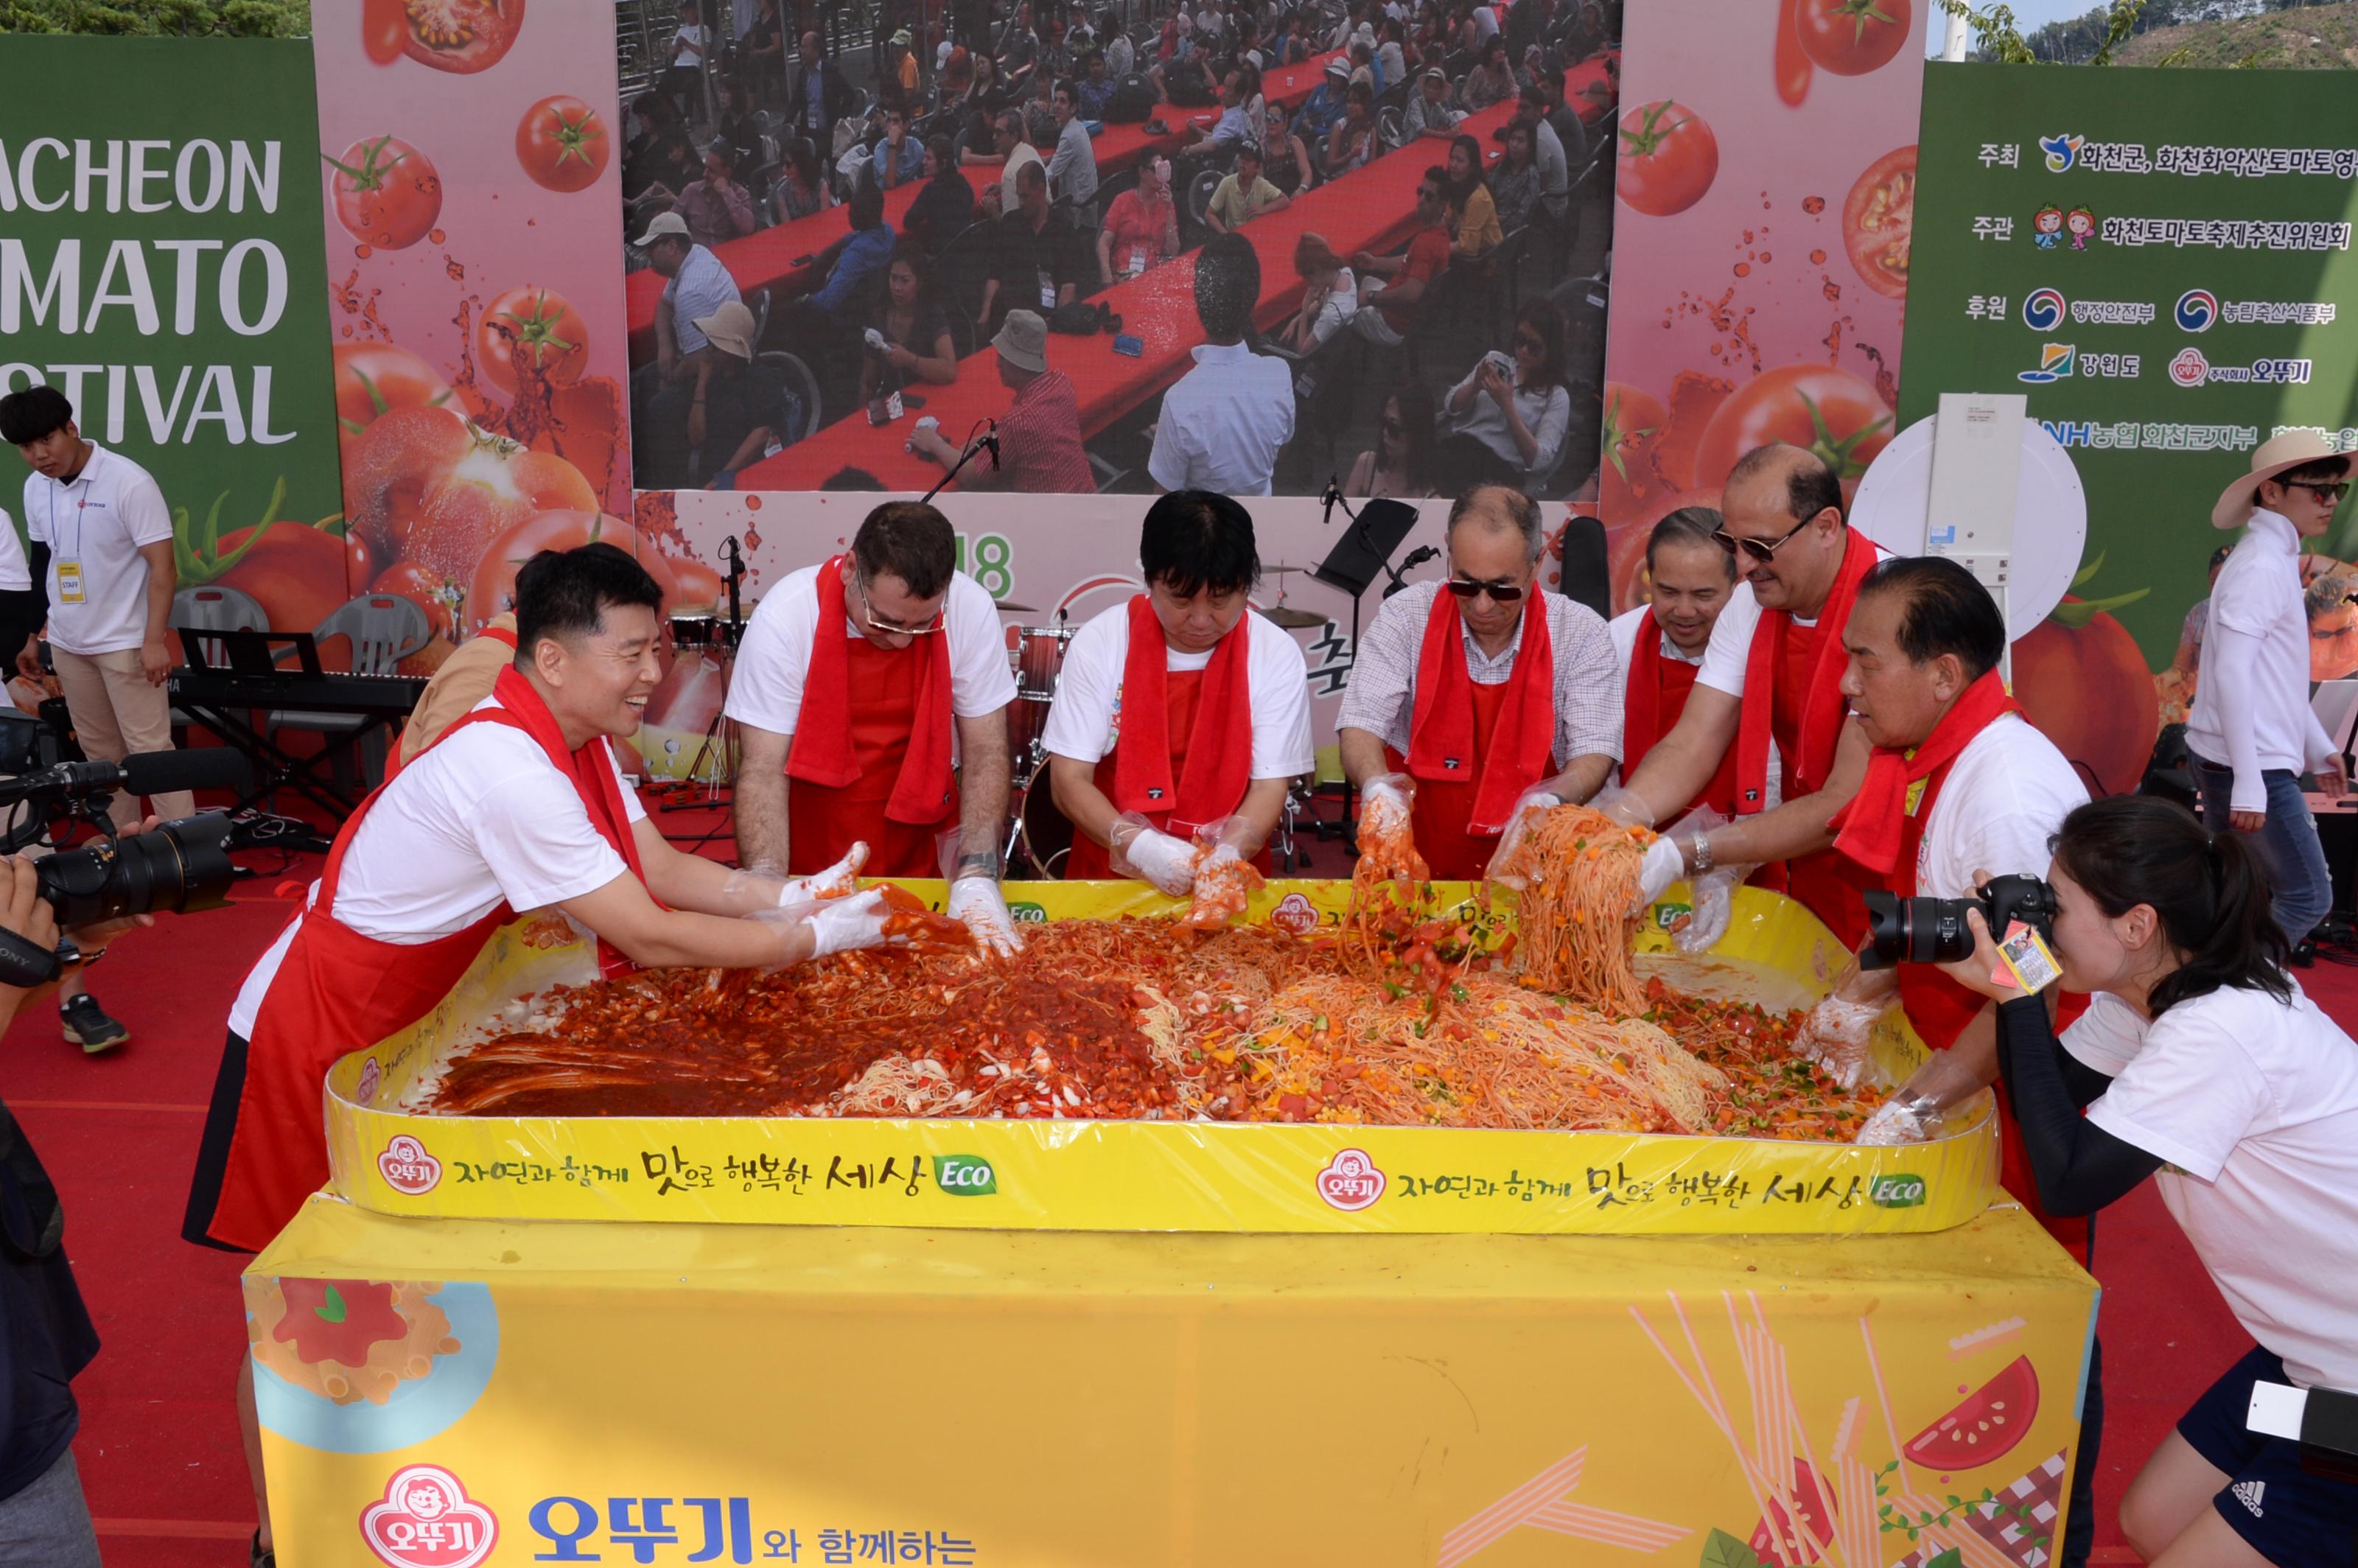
[(1179, 708), (519, 806), (1222, 425), (870, 698)]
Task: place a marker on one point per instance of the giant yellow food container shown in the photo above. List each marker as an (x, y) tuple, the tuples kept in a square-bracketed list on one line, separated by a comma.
[(1001, 1174)]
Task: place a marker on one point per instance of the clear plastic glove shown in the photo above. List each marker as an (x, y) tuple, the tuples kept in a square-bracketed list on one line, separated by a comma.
[(1901, 1119), (1624, 807), (1225, 880), (1385, 802), (1661, 867), (1836, 1035), (1539, 798), (843, 924), (1714, 898), (977, 901), (1138, 848)]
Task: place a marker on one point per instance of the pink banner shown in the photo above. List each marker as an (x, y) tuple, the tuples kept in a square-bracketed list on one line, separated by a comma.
[(1765, 189), (473, 203)]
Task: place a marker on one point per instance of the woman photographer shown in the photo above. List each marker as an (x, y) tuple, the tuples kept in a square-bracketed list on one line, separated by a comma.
[(2200, 1062)]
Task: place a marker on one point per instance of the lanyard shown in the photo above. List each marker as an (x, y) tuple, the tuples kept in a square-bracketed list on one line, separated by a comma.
[(55, 486)]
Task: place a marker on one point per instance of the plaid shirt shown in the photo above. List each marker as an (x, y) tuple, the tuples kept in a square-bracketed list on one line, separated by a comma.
[(1380, 697), (1040, 441)]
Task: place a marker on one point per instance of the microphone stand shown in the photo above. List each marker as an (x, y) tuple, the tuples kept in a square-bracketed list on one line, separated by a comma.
[(990, 440), (720, 737)]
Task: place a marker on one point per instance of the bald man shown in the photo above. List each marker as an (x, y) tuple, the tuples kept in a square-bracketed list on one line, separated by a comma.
[(1771, 685)]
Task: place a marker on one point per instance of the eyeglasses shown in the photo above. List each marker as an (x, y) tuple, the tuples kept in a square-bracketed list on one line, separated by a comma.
[(1756, 548), (1501, 592), (893, 629), (2330, 492)]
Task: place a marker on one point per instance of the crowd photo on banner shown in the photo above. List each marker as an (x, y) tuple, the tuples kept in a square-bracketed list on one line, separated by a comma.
[(1257, 247), (1698, 915)]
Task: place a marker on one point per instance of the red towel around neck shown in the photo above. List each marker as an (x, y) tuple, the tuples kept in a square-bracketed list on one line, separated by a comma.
[(822, 753), (1441, 731)]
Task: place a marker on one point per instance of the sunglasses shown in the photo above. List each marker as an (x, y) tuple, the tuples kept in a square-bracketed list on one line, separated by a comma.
[(1501, 592), (2332, 492), (1757, 549), (894, 629), (1530, 341)]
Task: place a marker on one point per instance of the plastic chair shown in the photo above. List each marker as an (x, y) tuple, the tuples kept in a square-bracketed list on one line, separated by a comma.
[(214, 609), (384, 629)]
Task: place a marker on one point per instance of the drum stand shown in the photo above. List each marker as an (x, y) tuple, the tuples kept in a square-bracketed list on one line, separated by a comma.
[(719, 744)]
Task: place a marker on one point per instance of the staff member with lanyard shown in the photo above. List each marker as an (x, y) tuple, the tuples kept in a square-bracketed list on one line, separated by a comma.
[(1181, 708), (2200, 1063), (1958, 782), (1493, 694), (520, 806), (102, 559), (871, 700), (1772, 677)]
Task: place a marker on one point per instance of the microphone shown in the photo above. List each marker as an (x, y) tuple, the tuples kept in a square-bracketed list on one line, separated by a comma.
[(170, 772), (1419, 556), (991, 443)]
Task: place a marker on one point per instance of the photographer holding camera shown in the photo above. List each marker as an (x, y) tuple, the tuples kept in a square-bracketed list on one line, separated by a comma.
[(2201, 1063)]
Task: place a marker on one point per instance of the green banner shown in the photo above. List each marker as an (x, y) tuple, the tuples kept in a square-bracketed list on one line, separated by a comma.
[(2161, 260), (161, 264)]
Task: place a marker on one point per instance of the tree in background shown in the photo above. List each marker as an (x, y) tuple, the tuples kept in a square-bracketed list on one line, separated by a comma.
[(183, 18), (2093, 37)]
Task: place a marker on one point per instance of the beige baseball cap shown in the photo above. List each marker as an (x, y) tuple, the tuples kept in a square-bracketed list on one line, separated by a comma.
[(664, 223)]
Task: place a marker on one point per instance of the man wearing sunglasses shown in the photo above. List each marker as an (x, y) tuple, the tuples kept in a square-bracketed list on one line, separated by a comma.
[(1180, 709), (1490, 694), (1770, 679), (2252, 731), (870, 698)]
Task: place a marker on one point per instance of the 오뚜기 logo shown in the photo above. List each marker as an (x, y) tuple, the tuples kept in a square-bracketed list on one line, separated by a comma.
[(2042, 309), (1350, 1182), (407, 1168), (427, 1520), (1295, 914), (2190, 368), (2196, 309)]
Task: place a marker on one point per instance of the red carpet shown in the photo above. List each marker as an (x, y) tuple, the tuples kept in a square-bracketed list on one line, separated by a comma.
[(158, 1449)]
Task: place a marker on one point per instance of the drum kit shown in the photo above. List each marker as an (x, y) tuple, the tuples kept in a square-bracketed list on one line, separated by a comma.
[(1039, 835)]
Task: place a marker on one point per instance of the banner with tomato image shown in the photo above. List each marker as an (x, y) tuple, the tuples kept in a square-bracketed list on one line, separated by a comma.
[(159, 265), (468, 156), (1765, 187), (2165, 276)]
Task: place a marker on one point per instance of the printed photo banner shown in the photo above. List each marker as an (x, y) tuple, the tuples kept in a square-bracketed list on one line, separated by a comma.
[(2162, 274), (1765, 195), (159, 265)]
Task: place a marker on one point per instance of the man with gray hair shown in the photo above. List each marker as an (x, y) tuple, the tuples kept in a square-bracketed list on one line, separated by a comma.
[(1489, 692), (2252, 731)]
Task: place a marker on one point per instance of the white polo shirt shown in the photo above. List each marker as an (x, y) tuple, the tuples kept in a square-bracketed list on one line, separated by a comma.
[(1085, 718), (97, 521), (2251, 711), (480, 817), (1223, 422), (2254, 1104), (15, 575), (766, 690), (2006, 796)]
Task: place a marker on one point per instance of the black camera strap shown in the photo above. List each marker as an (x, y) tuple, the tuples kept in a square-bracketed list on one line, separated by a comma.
[(32, 1221)]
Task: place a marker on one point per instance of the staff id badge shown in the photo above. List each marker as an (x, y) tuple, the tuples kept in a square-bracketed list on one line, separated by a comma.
[(70, 586), (1137, 261), (1047, 291)]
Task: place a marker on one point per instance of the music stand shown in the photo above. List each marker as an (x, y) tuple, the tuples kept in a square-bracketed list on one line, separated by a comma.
[(1363, 552)]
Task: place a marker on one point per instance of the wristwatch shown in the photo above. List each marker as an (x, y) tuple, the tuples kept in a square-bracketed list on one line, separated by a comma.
[(1699, 852)]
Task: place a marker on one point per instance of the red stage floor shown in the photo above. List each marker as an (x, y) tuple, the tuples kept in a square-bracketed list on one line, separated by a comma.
[(159, 1448)]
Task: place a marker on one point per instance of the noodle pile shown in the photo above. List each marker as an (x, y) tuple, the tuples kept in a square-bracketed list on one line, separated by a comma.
[(1579, 908)]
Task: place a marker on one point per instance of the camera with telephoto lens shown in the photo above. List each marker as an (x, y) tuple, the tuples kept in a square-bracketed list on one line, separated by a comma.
[(1933, 930)]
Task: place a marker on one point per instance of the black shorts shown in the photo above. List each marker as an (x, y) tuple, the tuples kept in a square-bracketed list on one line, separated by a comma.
[(212, 1152), (2287, 1516)]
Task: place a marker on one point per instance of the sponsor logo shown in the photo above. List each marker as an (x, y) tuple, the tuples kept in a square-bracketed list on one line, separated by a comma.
[(372, 1079), (1295, 914), (2196, 309), (1350, 1182), (1897, 1192), (2042, 309), (965, 1175), (2248, 1493), (2190, 368), (1028, 914), (407, 1168), (2062, 151), (427, 1520), (2055, 362)]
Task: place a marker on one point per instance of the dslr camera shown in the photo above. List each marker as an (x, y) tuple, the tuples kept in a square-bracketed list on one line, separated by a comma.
[(1933, 930)]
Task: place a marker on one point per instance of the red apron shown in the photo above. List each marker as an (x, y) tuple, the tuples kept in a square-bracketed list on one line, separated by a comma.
[(1181, 688), (334, 993), (1442, 817), (1652, 701), (823, 823)]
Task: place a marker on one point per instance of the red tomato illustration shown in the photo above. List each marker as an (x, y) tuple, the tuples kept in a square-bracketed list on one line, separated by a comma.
[(562, 144), (386, 193), (461, 35), (492, 584), (1879, 222), (1851, 37), (1827, 411), (1668, 159), (427, 486), (531, 327)]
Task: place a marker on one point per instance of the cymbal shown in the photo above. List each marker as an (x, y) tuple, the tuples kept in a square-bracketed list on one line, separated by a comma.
[(1281, 568), (1019, 609), (1294, 619)]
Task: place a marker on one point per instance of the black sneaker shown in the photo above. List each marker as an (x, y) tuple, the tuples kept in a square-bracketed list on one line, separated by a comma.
[(87, 1025)]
